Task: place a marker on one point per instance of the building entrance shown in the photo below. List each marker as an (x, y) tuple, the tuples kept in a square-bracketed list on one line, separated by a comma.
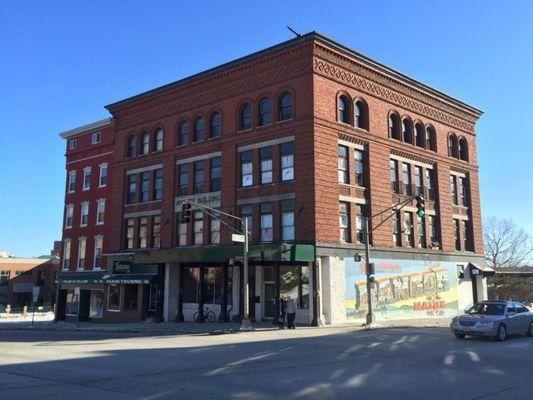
[(269, 311)]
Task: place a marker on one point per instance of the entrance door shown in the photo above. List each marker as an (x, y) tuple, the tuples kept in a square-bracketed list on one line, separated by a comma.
[(270, 300)]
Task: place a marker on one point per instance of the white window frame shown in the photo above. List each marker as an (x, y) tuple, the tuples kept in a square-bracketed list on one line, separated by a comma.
[(69, 207), (102, 167), (64, 266), (100, 202), (84, 205), (96, 137), (72, 144), (81, 240), (86, 182), (96, 239), (71, 181)]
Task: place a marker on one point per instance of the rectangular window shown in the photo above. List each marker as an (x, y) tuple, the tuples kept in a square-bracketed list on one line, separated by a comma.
[(72, 144), (265, 155), (132, 189), (246, 169), (100, 211), (421, 231), (157, 189), (191, 285), (359, 224), (287, 220), (456, 234), (430, 191), (198, 177), (453, 189), (72, 303), (98, 244), (71, 181), (287, 161), (142, 239), (359, 167), (86, 178), (198, 227), (156, 232), (145, 186), (393, 174), (96, 304), (396, 238), (84, 213), (113, 298), (419, 189), (406, 179), (214, 229), (4, 276), (214, 184), (130, 227), (344, 221), (408, 228), (266, 226), (342, 162), (82, 243), (103, 175), (246, 212), (464, 231), (183, 179), (130, 297), (182, 232), (462, 190), (66, 254), (96, 137), (69, 212), (432, 226)]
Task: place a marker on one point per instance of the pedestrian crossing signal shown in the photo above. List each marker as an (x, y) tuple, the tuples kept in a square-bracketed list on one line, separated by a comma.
[(185, 212), (420, 206)]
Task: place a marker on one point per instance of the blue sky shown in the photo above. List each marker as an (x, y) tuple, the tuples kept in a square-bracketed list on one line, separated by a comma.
[(62, 61)]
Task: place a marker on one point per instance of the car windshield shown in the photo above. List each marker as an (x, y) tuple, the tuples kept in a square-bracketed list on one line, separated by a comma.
[(487, 309)]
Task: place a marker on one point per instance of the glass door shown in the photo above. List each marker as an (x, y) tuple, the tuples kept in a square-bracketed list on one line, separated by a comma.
[(270, 300)]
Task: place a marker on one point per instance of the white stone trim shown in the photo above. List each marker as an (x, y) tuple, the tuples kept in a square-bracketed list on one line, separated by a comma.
[(272, 142), (458, 174), (266, 199), (350, 144), (199, 158), (88, 158), (142, 214), (461, 217), (412, 162), (144, 169), (352, 199)]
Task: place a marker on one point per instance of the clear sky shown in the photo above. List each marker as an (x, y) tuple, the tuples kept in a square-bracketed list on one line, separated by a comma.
[(62, 61)]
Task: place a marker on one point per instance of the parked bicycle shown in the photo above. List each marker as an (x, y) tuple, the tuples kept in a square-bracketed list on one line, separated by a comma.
[(209, 315)]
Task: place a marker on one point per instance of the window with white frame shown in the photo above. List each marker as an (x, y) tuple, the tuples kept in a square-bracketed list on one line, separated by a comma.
[(198, 227), (214, 229), (287, 220), (69, 213), (246, 169), (287, 161), (71, 181), (102, 181), (72, 144), (96, 138), (100, 211), (66, 254), (182, 232), (98, 244), (84, 213), (158, 140), (343, 164), (344, 222), (266, 165), (82, 244), (86, 178), (266, 222)]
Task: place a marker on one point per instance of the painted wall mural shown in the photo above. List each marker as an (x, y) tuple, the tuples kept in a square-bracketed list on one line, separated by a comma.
[(403, 289)]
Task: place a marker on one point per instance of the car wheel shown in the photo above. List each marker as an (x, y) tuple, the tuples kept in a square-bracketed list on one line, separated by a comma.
[(530, 330), (501, 335), (459, 335)]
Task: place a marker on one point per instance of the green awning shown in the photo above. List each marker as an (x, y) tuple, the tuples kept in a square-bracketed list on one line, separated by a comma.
[(129, 279), (80, 278)]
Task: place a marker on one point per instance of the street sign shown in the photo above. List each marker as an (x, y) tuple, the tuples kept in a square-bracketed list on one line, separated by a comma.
[(235, 237)]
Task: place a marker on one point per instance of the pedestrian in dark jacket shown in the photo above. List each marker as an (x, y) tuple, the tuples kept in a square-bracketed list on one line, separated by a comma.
[(282, 312), (291, 313)]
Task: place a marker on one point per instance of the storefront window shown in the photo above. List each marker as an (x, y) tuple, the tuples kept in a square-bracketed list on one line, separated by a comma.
[(130, 297), (191, 282), (96, 307), (113, 303), (72, 302), (214, 285), (294, 282)]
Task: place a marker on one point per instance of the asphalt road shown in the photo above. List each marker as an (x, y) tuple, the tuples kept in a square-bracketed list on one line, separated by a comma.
[(399, 363)]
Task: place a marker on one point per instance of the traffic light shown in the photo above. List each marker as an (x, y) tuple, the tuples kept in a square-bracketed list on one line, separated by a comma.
[(420, 206), (185, 212)]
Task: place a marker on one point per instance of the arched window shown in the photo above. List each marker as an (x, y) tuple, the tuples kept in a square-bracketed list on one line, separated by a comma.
[(419, 135), (214, 125), (245, 117), (343, 109), (145, 146), (183, 133), (407, 128), (394, 126), (431, 140), (132, 146), (158, 140), (452, 145), (285, 106), (361, 114), (198, 130), (463, 149), (265, 112)]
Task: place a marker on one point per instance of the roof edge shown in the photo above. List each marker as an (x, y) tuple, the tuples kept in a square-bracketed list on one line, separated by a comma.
[(87, 127)]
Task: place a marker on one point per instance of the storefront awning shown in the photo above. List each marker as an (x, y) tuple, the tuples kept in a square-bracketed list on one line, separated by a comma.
[(80, 278), (485, 271), (129, 279)]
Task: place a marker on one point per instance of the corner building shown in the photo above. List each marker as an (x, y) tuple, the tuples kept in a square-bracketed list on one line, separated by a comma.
[(302, 139)]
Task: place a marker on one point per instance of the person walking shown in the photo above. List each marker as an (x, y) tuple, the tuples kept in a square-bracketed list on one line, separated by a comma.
[(291, 313), (282, 312)]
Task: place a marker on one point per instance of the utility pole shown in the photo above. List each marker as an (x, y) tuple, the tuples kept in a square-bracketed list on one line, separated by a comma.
[(246, 324)]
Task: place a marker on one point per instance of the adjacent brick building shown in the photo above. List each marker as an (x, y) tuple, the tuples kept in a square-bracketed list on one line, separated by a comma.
[(303, 138)]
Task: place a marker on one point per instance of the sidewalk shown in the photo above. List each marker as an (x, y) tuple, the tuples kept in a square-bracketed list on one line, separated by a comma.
[(171, 328)]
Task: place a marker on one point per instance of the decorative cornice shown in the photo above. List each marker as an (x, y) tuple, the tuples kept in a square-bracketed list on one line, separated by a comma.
[(340, 68), (352, 139)]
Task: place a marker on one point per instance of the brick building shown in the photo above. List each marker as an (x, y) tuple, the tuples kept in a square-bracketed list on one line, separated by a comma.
[(303, 139)]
